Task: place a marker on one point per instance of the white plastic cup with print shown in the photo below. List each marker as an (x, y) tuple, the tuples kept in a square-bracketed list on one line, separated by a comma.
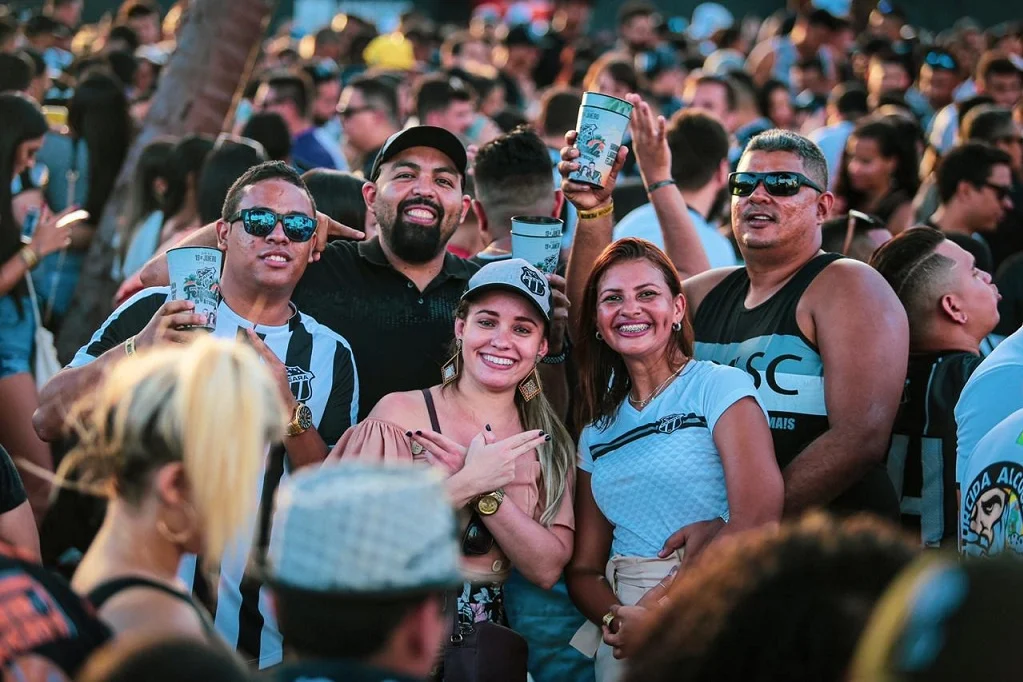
[(537, 240), (601, 128), (194, 273)]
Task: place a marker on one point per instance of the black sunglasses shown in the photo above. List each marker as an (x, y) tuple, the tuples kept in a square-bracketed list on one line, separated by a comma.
[(477, 539), (777, 183), (348, 112), (941, 60), (1001, 191), (259, 222)]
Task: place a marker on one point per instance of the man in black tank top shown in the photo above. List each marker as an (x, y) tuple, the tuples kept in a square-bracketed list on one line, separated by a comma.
[(794, 316), (952, 306), (791, 317)]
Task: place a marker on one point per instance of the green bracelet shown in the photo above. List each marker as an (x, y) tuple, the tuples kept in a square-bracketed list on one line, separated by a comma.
[(657, 185)]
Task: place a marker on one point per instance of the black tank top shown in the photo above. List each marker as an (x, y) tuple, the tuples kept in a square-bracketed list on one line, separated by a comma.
[(103, 592), (786, 369)]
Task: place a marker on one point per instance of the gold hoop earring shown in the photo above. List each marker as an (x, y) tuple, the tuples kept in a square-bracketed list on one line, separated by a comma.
[(530, 387), (453, 367), (179, 537)]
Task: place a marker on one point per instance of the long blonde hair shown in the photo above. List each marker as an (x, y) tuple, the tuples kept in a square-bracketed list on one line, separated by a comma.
[(557, 456), (211, 405)]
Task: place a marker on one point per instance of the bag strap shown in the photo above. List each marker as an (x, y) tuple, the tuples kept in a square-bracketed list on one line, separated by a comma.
[(432, 409), (71, 176), (35, 301)]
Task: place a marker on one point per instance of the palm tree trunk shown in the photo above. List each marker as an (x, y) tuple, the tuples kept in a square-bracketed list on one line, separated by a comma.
[(217, 49)]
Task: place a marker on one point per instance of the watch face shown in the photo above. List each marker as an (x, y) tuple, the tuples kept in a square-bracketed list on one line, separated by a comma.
[(304, 417), (487, 505)]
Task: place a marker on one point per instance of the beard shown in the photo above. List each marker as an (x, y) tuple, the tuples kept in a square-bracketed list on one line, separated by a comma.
[(410, 242)]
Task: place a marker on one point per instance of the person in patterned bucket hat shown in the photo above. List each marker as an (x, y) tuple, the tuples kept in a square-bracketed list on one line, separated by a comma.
[(359, 589)]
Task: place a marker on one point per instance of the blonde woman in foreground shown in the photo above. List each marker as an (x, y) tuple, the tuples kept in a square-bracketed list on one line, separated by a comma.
[(168, 437)]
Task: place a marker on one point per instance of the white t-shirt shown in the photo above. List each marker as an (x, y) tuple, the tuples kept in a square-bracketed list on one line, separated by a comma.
[(642, 222), (657, 470), (993, 393), (990, 515)]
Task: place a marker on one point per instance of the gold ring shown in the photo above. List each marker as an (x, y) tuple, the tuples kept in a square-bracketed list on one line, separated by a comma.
[(608, 619)]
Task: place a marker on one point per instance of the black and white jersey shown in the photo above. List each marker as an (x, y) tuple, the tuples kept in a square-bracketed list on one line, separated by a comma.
[(322, 374), (922, 457)]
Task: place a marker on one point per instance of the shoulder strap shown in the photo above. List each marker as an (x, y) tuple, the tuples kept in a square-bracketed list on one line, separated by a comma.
[(813, 267), (103, 592), (432, 409)]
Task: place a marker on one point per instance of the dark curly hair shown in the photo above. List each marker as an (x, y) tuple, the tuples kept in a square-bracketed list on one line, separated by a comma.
[(776, 607)]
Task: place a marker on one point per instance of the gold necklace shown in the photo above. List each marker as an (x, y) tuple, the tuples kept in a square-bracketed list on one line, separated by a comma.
[(640, 404)]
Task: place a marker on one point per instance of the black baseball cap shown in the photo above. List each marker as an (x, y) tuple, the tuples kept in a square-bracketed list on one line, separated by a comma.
[(434, 137)]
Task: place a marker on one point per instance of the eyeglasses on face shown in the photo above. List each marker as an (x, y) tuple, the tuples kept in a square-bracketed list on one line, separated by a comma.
[(348, 112), (777, 183), (261, 221), (1001, 191)]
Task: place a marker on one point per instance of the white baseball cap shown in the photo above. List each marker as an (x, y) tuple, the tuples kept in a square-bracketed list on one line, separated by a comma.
[(515, 275), (360, 529)]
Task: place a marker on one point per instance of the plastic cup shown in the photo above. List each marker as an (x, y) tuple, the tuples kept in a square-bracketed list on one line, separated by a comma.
[(195, 276), (537, 240), (601, 128)]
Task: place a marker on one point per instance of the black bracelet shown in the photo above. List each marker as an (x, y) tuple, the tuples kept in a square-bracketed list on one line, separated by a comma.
[(658, 185), (561, 357)]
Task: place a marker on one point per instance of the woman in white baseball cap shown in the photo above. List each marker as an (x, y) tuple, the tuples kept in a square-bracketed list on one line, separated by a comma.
[(488, 427)]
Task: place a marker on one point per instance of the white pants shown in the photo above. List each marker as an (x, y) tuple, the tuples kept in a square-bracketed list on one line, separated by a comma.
[(630, 579)]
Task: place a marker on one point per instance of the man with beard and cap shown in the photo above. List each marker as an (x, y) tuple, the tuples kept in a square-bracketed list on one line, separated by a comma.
[(394, 297)]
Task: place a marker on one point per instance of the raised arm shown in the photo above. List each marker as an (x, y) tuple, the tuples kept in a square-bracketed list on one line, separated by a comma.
[(650, 144), (596, 220), (863, 337)]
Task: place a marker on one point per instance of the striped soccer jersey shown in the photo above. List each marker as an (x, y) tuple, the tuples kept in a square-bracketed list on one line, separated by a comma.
[(322, 374)]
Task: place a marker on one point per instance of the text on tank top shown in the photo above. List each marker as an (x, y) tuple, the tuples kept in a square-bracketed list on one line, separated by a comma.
[(766, 343)]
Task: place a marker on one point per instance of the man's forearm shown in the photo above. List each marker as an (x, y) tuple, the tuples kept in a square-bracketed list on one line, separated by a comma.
[(828, 467), (154, 272), (591, 238), (307, 449), (64, 389)]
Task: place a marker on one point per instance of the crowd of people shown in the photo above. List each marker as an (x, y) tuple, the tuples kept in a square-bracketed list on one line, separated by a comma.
[(763, 420)]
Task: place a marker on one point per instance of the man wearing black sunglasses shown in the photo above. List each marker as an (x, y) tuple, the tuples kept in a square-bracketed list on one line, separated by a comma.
[(268, 235), (794, 316), (791, 317), (975, 186)]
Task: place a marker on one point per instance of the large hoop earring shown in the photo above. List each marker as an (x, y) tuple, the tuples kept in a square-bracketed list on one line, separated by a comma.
[(530, 387), (178, 537), (676, 326), (452, 368)]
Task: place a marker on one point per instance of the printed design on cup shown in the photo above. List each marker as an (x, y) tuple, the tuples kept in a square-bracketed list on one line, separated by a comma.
[(601, 128), (550, 263), (533, 282), (991, 519), (592, 147), (301, 382), (202, 287)]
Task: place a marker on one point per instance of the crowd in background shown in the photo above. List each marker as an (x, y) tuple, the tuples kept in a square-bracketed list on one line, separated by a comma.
[(760, 422)]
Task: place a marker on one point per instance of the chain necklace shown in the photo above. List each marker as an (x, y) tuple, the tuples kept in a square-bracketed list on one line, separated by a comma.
[(640, 404)]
